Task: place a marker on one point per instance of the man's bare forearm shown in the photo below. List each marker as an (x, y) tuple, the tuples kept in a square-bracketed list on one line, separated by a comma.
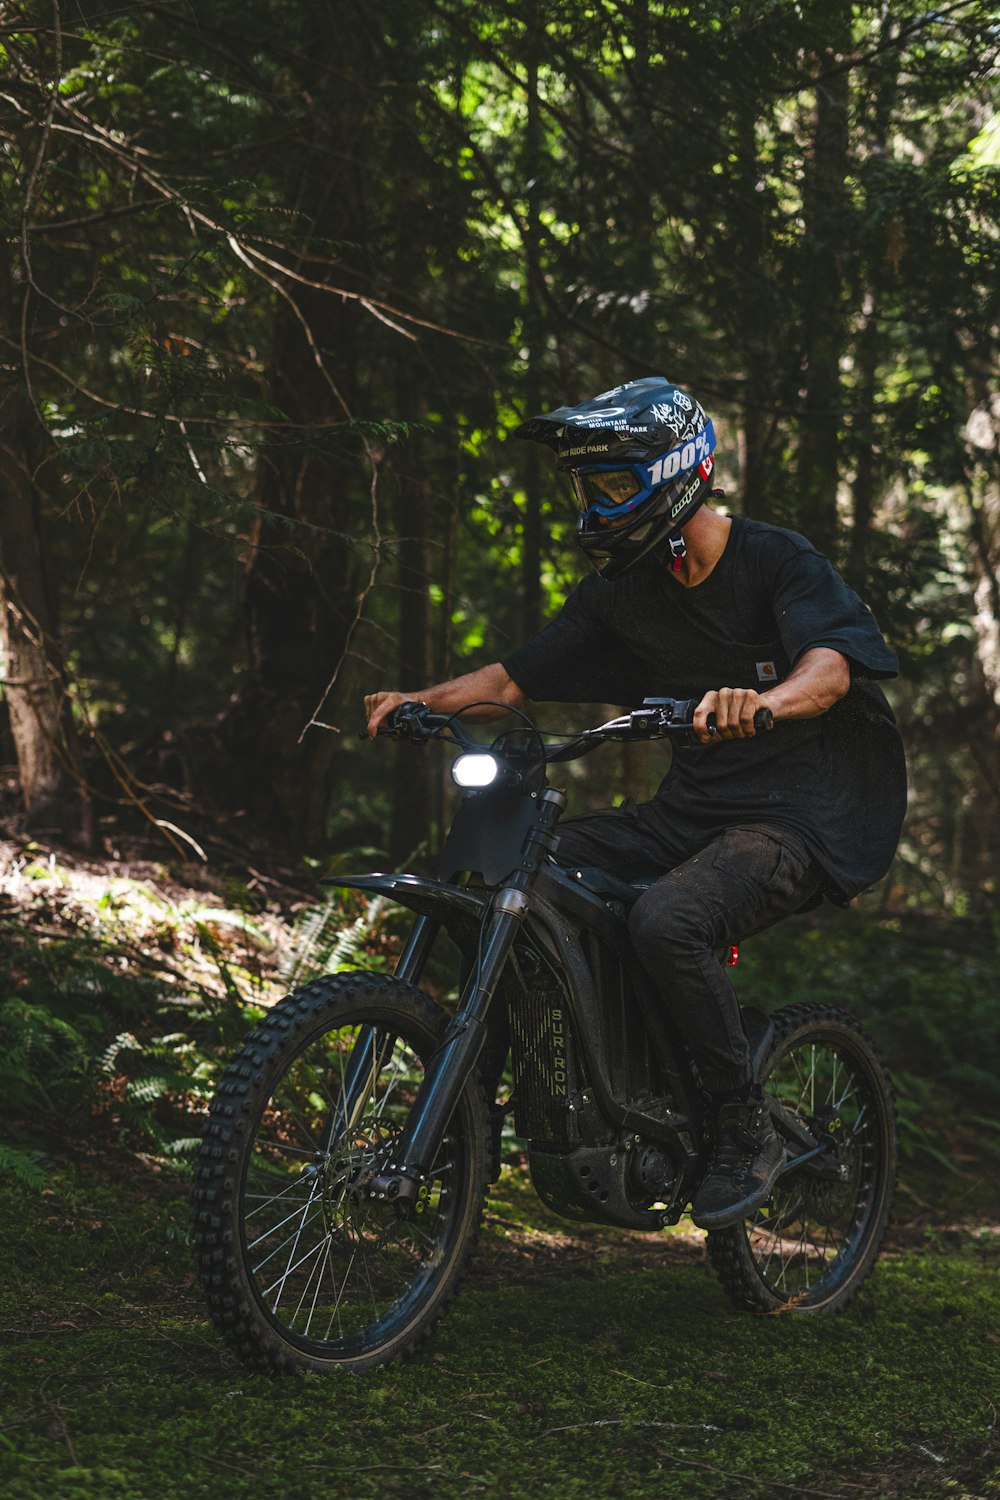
[(819, 679), (488, 686)]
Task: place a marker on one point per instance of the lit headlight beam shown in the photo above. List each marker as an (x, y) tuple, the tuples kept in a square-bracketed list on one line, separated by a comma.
[(475, 770)]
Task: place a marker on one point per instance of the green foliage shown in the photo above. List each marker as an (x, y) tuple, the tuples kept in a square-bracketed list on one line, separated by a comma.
[(96, 1040), (40, 1053)]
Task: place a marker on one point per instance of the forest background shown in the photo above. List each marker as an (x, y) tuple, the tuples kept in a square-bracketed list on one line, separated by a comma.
[(277, 282)]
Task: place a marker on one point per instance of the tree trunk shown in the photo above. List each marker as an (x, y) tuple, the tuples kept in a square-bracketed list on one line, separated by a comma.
[(55, 797), (302, 583), (534, 336), (759, 498), (868, 470), (411, 803), (825, 209)]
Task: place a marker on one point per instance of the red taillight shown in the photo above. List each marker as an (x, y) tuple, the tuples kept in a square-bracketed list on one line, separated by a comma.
[(733, 956)]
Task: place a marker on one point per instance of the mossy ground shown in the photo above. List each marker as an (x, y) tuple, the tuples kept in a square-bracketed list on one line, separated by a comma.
[(575, 1363)]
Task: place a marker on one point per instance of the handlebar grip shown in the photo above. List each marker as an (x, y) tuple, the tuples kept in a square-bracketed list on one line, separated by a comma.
[(763, 720), (404, 722)]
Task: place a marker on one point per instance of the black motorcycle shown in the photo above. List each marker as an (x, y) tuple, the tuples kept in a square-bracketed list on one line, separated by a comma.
[(340, 1187)]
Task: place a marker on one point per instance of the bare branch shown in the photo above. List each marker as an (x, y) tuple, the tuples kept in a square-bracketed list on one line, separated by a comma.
[(55, 226), (314, 721)]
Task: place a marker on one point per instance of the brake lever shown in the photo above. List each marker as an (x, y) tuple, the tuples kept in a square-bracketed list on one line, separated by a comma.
[(403, 723), (655, 714)]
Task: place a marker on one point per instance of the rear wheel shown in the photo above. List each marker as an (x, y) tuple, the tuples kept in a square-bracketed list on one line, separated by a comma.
[(811, 1245), (303, 1270)]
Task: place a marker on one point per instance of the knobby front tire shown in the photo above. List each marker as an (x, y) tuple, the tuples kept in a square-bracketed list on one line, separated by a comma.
[(810, 1247), (303, 1271)]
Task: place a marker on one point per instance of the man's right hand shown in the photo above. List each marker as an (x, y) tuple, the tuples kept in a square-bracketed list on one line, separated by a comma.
[(379, 706)]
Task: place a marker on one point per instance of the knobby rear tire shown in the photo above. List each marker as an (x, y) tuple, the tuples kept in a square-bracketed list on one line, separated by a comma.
[(812, 1245), (290, 1249)]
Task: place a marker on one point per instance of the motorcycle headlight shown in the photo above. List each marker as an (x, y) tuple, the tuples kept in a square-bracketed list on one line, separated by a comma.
[(475, 770)]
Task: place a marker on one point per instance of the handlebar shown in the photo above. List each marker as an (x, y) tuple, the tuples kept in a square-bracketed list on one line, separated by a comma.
[(411, 721), (658, 718)]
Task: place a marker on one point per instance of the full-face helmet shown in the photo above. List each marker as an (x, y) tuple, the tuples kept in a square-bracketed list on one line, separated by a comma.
[(640, 461)]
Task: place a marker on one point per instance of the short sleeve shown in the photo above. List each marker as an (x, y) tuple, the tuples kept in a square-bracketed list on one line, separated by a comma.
[(572, 659), (813, 606)]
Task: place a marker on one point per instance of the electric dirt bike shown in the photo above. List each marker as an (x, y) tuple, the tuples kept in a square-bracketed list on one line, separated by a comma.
[(341, 1181)]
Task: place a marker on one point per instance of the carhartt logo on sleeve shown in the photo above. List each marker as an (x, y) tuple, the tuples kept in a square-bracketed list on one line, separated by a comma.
[(766, 671)]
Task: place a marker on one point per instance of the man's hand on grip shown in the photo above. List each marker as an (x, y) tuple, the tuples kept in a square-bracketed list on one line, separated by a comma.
[(734, 709), (378, 706)]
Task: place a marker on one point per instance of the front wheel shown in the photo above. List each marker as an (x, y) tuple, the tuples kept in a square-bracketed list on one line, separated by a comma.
[(303, 1270), (811, 1245)]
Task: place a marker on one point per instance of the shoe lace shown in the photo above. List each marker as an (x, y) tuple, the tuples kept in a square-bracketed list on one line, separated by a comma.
[(735, 1150)]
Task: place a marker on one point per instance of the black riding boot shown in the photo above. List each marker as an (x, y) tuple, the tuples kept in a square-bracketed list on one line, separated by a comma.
[(747, 1158)]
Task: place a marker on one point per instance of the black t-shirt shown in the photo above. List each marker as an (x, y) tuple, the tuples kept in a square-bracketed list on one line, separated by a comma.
[(839, 780)]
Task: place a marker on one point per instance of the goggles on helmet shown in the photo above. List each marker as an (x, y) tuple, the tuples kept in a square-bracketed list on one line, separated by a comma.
[(616, 491)]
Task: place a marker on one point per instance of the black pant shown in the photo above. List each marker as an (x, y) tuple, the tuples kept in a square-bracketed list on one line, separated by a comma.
[(709, 897)]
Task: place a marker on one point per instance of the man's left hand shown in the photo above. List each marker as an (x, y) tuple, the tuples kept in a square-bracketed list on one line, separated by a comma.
[(733, 708)]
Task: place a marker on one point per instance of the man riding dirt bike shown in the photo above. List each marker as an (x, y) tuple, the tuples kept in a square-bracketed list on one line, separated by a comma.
[(340, 1185), (739, 616)]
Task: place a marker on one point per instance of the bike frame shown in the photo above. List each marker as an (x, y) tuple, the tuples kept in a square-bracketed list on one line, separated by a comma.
[(531, 914)]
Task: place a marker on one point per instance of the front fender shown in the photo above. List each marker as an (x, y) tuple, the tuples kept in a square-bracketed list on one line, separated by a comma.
[(458, 909)]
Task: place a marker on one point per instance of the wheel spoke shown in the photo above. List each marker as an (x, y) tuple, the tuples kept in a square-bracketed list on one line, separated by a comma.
[(283, 1278), (317, 1267), (284, 1146), (264, 1200), (294, 1237), (273, 1229)]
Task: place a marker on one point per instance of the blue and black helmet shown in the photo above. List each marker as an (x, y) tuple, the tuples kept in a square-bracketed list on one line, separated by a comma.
[(640, 461)]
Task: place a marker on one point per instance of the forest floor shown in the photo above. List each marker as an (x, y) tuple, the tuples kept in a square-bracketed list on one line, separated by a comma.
[(577, 1361), (583, 1363)]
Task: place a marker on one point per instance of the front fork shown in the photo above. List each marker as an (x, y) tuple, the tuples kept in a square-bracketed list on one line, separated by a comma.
[(373, 1045), (452, 1064)]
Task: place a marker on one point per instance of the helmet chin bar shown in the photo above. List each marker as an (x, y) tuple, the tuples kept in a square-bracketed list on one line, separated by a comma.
[(613, 559)]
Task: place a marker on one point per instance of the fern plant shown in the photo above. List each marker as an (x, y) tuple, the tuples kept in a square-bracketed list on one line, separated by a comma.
[(324, 943), (25, 1166)]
